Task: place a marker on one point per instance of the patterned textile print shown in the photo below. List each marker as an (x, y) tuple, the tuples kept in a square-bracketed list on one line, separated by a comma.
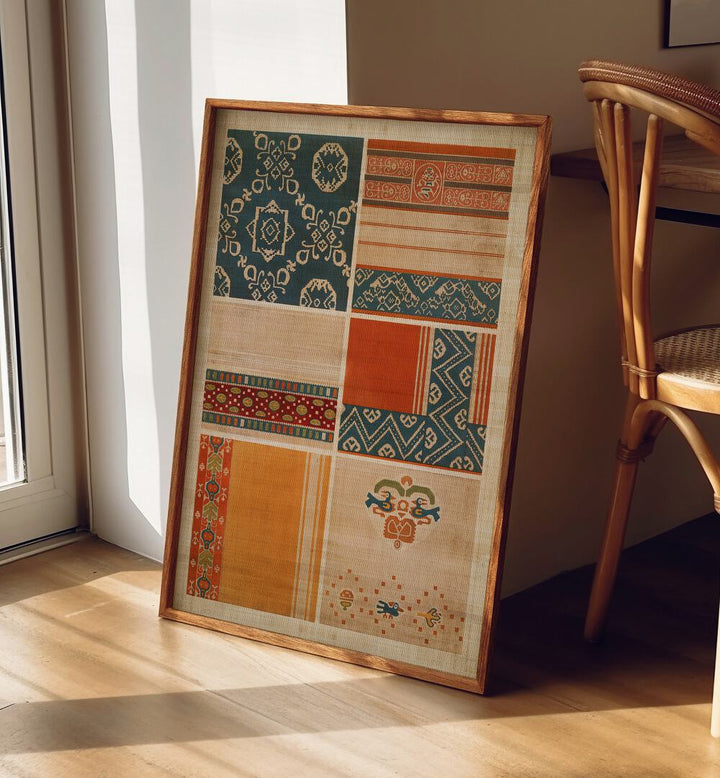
[(426, 296), (275, 529), (270, 405), (385, 434), (403, 507), (437, 413), (441, 179), (209, 516), (482, 380), (369, 533), (391, 609), (449, 401), (287, 221)]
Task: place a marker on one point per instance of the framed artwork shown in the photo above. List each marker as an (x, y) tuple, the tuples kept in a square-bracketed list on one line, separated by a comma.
[(354, 349), (691, 22)]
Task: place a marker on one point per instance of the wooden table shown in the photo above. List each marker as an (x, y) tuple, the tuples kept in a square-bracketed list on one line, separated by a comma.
[(684, 165)]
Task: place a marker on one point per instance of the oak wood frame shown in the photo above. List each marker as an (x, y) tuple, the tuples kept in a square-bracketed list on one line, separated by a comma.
[(540, 174)]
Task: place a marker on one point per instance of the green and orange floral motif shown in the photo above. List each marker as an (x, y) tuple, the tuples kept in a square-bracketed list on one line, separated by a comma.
[(209, 513), (404, 507)]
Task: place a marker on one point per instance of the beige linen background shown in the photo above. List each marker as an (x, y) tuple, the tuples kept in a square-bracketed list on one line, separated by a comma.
[(231, 329)]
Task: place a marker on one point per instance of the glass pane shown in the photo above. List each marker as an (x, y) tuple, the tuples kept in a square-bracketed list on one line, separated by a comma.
[(12, 454)]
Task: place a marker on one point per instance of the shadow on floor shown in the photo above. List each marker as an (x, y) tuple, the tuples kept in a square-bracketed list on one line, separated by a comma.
[(659, 653), (661, 630)]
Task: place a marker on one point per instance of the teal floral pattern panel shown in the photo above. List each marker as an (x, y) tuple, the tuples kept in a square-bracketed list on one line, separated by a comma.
[(288, 215)]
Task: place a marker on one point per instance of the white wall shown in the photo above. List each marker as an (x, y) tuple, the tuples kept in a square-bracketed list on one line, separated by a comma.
[(522, 56), (139, 75)]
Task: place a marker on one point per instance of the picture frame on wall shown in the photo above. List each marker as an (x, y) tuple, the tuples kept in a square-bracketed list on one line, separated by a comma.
[(355, 341), (691, 23)]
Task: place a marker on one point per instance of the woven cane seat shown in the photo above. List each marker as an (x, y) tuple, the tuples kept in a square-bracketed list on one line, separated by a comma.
[(690, 365)]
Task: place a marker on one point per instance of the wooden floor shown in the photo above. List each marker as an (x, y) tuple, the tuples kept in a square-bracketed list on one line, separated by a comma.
[(93, 684)]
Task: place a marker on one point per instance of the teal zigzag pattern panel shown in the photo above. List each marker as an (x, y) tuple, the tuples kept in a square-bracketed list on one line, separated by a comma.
[(475, 446), (288, 216), (402, 437), (425, 296), (385, 434), (449, 398), (447, 432)]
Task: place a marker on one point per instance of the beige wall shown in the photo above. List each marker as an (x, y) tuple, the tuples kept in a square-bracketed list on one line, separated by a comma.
[(522, 56)]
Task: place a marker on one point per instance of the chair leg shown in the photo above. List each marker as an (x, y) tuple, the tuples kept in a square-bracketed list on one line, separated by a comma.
[(606, 568), (715, 717), (624, 485), (715, 708)]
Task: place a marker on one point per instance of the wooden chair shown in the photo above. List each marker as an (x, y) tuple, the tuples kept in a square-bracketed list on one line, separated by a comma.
[(680, 370)]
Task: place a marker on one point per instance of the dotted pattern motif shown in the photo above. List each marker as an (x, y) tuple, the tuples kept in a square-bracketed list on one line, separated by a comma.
[(389, 609), (283, 407)]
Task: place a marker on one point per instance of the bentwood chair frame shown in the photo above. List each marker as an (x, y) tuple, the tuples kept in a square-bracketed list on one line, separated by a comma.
[(681, 370)]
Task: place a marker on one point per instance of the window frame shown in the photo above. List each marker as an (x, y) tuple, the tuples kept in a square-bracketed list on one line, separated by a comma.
[(52, 498)]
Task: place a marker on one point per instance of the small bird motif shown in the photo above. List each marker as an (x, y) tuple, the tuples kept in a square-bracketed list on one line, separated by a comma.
[(384, 505), (422, 515), (389, 608)]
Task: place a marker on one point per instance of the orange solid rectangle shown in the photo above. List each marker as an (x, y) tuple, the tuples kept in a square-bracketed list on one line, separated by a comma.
[(382, 368), (275, 527)]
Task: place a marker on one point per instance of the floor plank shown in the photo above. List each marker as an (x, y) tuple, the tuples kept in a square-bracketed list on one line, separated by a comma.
[(94, 684)]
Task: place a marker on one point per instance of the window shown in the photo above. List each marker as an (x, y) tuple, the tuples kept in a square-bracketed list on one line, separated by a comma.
[(41, 485), (12, 454)]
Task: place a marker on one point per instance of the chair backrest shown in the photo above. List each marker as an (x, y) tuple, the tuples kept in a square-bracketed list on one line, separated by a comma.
[(613, 89)]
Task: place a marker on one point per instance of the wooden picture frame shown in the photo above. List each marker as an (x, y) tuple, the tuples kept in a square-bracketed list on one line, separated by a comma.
[(360, 538)]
